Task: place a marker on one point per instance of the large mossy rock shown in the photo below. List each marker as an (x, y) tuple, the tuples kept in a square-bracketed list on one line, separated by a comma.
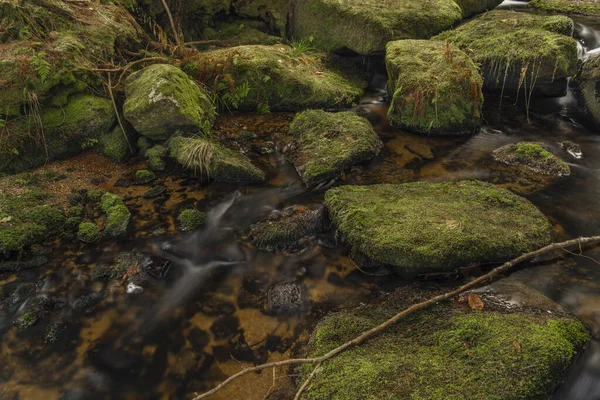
[(472, 7), (161, 99), (210, 159), (585, 7), (533, 156), (588, 84), (435, 87), (445, 352), (515, 49), (63, 132), (365, 26), (325, 144), (277, 77), (425, 227)]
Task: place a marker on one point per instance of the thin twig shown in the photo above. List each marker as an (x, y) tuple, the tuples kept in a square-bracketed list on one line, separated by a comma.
[(112, 97), (412, 309), (168, 11), (307, 381)]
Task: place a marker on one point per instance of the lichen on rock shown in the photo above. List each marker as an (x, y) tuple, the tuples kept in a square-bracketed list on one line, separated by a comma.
[(515, 48), (425, 227), (533, 156), (161, 99), (325, 144), (434, 86)]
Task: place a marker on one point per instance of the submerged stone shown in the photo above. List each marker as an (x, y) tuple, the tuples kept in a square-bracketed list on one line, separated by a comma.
[(445, 352), (435, 87), (534, 156), (161, 99), (423, 227), (325, 144), (519, 51), (287, 297), (276, 78), (365, 26), (282, 229), (213, 160)]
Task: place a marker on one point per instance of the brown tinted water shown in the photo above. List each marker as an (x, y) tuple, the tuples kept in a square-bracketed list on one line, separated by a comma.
[(205, 317)]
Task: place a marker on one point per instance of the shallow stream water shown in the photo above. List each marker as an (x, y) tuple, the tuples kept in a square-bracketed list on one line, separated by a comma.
[(203, 316)]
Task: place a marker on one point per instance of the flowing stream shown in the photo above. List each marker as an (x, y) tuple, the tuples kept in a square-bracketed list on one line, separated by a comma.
[(203, 315)]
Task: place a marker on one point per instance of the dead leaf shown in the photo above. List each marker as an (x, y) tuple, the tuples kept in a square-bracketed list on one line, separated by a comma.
[(517, 345), (475, 302)]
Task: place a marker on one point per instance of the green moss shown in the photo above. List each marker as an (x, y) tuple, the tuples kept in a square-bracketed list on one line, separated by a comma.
[(144, 144), (472, 7), (328, 143), (507, 44), (420, 227), (115, 145), (585, 7), (93, 196), (72, 223), (534, 156), (436, 87), (445, 353), (117, 214), (211, 159), (365, 26), (144, 176), (28, 320), (161, 99), (276, 77), (28, 220), (238, 33), (88, 232), (191, 219), (76, 211), (155, 158)]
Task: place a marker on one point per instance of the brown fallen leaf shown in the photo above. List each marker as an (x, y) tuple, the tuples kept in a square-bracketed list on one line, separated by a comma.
[(517, 345), (475, 302)]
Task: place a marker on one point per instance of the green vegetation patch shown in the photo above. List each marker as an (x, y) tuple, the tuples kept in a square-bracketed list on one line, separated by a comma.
[(328, 143), (534, 156), (585, 7), (191, 219), (518, 50), (445, 352), (365, 26), (155, 157), (274, 77), (25, 220), (88, 232), (423, 227), (435, 87), (210, 159), (240, 32), (117, 214), (161, 99)]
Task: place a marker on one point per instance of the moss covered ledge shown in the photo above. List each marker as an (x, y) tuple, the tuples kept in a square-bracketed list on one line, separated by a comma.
[(425, 227)]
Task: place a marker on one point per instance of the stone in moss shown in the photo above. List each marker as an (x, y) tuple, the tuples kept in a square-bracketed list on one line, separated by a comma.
[(435, 88), (117, 214), (588, 86), (276, 77), (161, 99), (325, 144), (67, 131), (282, 229), (445, 352), (213, 160), (116, 145), (585, 7), (155, 157), (365, 26), (191, 219), (143, 177), (424, 227), (88, 232), (533, 156), (508, 44)]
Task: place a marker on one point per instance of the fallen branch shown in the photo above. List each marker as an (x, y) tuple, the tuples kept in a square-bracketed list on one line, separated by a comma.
[(410, 310)]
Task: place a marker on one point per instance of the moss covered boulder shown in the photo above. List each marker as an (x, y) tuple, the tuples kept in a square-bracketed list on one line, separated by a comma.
[(161, 99), (472, 7), (117, 214), (325, 144), (435, 87), (191, 219), (155, 157), (588, 86), (585, 7), (276, 78), (424, 227), (533, 156), (445, 352), (365, 26), (88, 232), (116, 145), (63, 132), (283, 229), (210, 159), (517, 49), (25, 220)]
